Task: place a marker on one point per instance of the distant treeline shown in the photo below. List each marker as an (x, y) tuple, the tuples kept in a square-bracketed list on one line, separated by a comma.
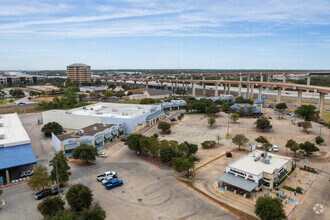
[(316, 81)]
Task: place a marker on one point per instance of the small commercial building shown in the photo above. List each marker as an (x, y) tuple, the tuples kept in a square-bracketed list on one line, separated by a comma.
[(255, 170), (96, 135), (139, 94), (132, 116), (16, 153), (89, 89), (173, 104)]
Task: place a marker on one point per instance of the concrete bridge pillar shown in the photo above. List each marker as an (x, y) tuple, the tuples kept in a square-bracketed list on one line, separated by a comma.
[(147, 86), (268, 78), (251, 93), (229, 89), (224, 89), (321, 103), (259, 92), (279, 90), (193, 87), (239, 89), (309, 80), (216, 90), (261, 77), (204, 89), (299, 98), (247, 91)]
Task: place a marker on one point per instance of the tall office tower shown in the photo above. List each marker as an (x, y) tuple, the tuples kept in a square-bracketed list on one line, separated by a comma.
[(79, 72)]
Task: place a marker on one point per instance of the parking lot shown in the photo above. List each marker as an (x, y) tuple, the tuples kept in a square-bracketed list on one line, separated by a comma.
[(148, 191)]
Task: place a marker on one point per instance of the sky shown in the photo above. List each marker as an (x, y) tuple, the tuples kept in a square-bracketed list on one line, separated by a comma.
[(165, 34)]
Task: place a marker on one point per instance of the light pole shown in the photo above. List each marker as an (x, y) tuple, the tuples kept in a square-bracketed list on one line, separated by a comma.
[(228, 135)]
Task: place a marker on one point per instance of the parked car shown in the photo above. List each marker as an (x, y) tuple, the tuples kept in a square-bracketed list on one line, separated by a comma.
[(109, 179), (102, 155), (46, 192), (114, 183), (26, 173), (274, 148), (105, 175), (228, 154)]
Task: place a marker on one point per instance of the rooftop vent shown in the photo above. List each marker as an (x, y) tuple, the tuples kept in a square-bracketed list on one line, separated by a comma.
[(265, 160), (257, 158)]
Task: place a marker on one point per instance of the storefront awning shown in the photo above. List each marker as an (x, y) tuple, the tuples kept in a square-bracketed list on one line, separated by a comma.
[(238, 182), (16, 156)]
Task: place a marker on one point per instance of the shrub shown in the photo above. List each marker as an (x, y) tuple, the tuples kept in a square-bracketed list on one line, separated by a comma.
[(319, 140), (289, 188), (208, 144), (299, 190), (51, 205)]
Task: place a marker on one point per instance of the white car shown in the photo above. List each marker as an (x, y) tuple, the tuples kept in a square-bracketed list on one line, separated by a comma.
[(275, 148), (102, 155), (108, 179), (106, 175)]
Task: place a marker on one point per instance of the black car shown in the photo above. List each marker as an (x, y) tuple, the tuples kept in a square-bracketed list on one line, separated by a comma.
[(46, 192)]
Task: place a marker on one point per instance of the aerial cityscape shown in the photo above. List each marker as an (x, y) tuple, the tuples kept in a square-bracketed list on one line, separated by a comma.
[(136, 109)]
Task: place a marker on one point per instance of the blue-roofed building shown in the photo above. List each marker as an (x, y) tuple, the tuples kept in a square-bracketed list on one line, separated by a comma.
[(15, 146)]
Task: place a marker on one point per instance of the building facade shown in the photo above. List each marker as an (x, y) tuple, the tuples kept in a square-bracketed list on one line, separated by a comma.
[(79, 72), (96, 135)]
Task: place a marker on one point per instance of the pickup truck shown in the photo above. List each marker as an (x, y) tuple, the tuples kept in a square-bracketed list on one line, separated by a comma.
[(106, 175), (46, 192), (109, 179), (114, 183)]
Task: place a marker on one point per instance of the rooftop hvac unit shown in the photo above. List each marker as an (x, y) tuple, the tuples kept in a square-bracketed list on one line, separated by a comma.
[(2, 136), (84, 108), (81, 132), (257, 158), (265, 160)]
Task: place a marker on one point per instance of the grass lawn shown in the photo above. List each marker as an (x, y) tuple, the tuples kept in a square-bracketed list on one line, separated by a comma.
[(6, 101)]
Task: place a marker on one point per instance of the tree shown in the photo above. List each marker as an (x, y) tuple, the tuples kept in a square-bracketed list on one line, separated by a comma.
[(218, 137), (308, 112), (16, 93), (211, 121), (133, 143), (281, 108), (212, 110), (63, 216), (61, 169), (97, 213), (183, 164), (52, 127), (40, 178), (149, 144), (263, 123), (164, 126), (187, 148), (79, 197), (208, 144), (319, 140), (268, 208), (305, 125), (51, 205), (240, 140), (225, 107), (308, 147), (292, 145), (234, 117), (262, 140), (167, 154), (85, 152)]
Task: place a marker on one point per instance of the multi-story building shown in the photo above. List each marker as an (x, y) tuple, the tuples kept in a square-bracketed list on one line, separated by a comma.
[(79, 72)]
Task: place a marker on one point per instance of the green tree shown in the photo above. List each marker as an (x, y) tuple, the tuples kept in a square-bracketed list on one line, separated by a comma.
[(16, 93), (52, 127), (61, 169), (149, 144), (85, 152), (292, 145), (308, 112), (96, 213), (167, 154), (263, 123), (51, 205), (305, 125), (212, 110), (63, 216), (187, 148), (281, 108), (225, 107), (234, 117), (308, 147), (182, 164), (319, 140), (211, 121), (240, 140), (133, 143), (79, 197), (164, 126), (262, 140), (268, 208), (40, 178), (241, 112)]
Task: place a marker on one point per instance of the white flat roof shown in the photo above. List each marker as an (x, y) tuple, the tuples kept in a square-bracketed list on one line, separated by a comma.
[(12, 131), (248, 165), (113, 110)]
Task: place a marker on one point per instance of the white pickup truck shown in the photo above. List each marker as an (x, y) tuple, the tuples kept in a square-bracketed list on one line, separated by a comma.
[(106, 175)]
